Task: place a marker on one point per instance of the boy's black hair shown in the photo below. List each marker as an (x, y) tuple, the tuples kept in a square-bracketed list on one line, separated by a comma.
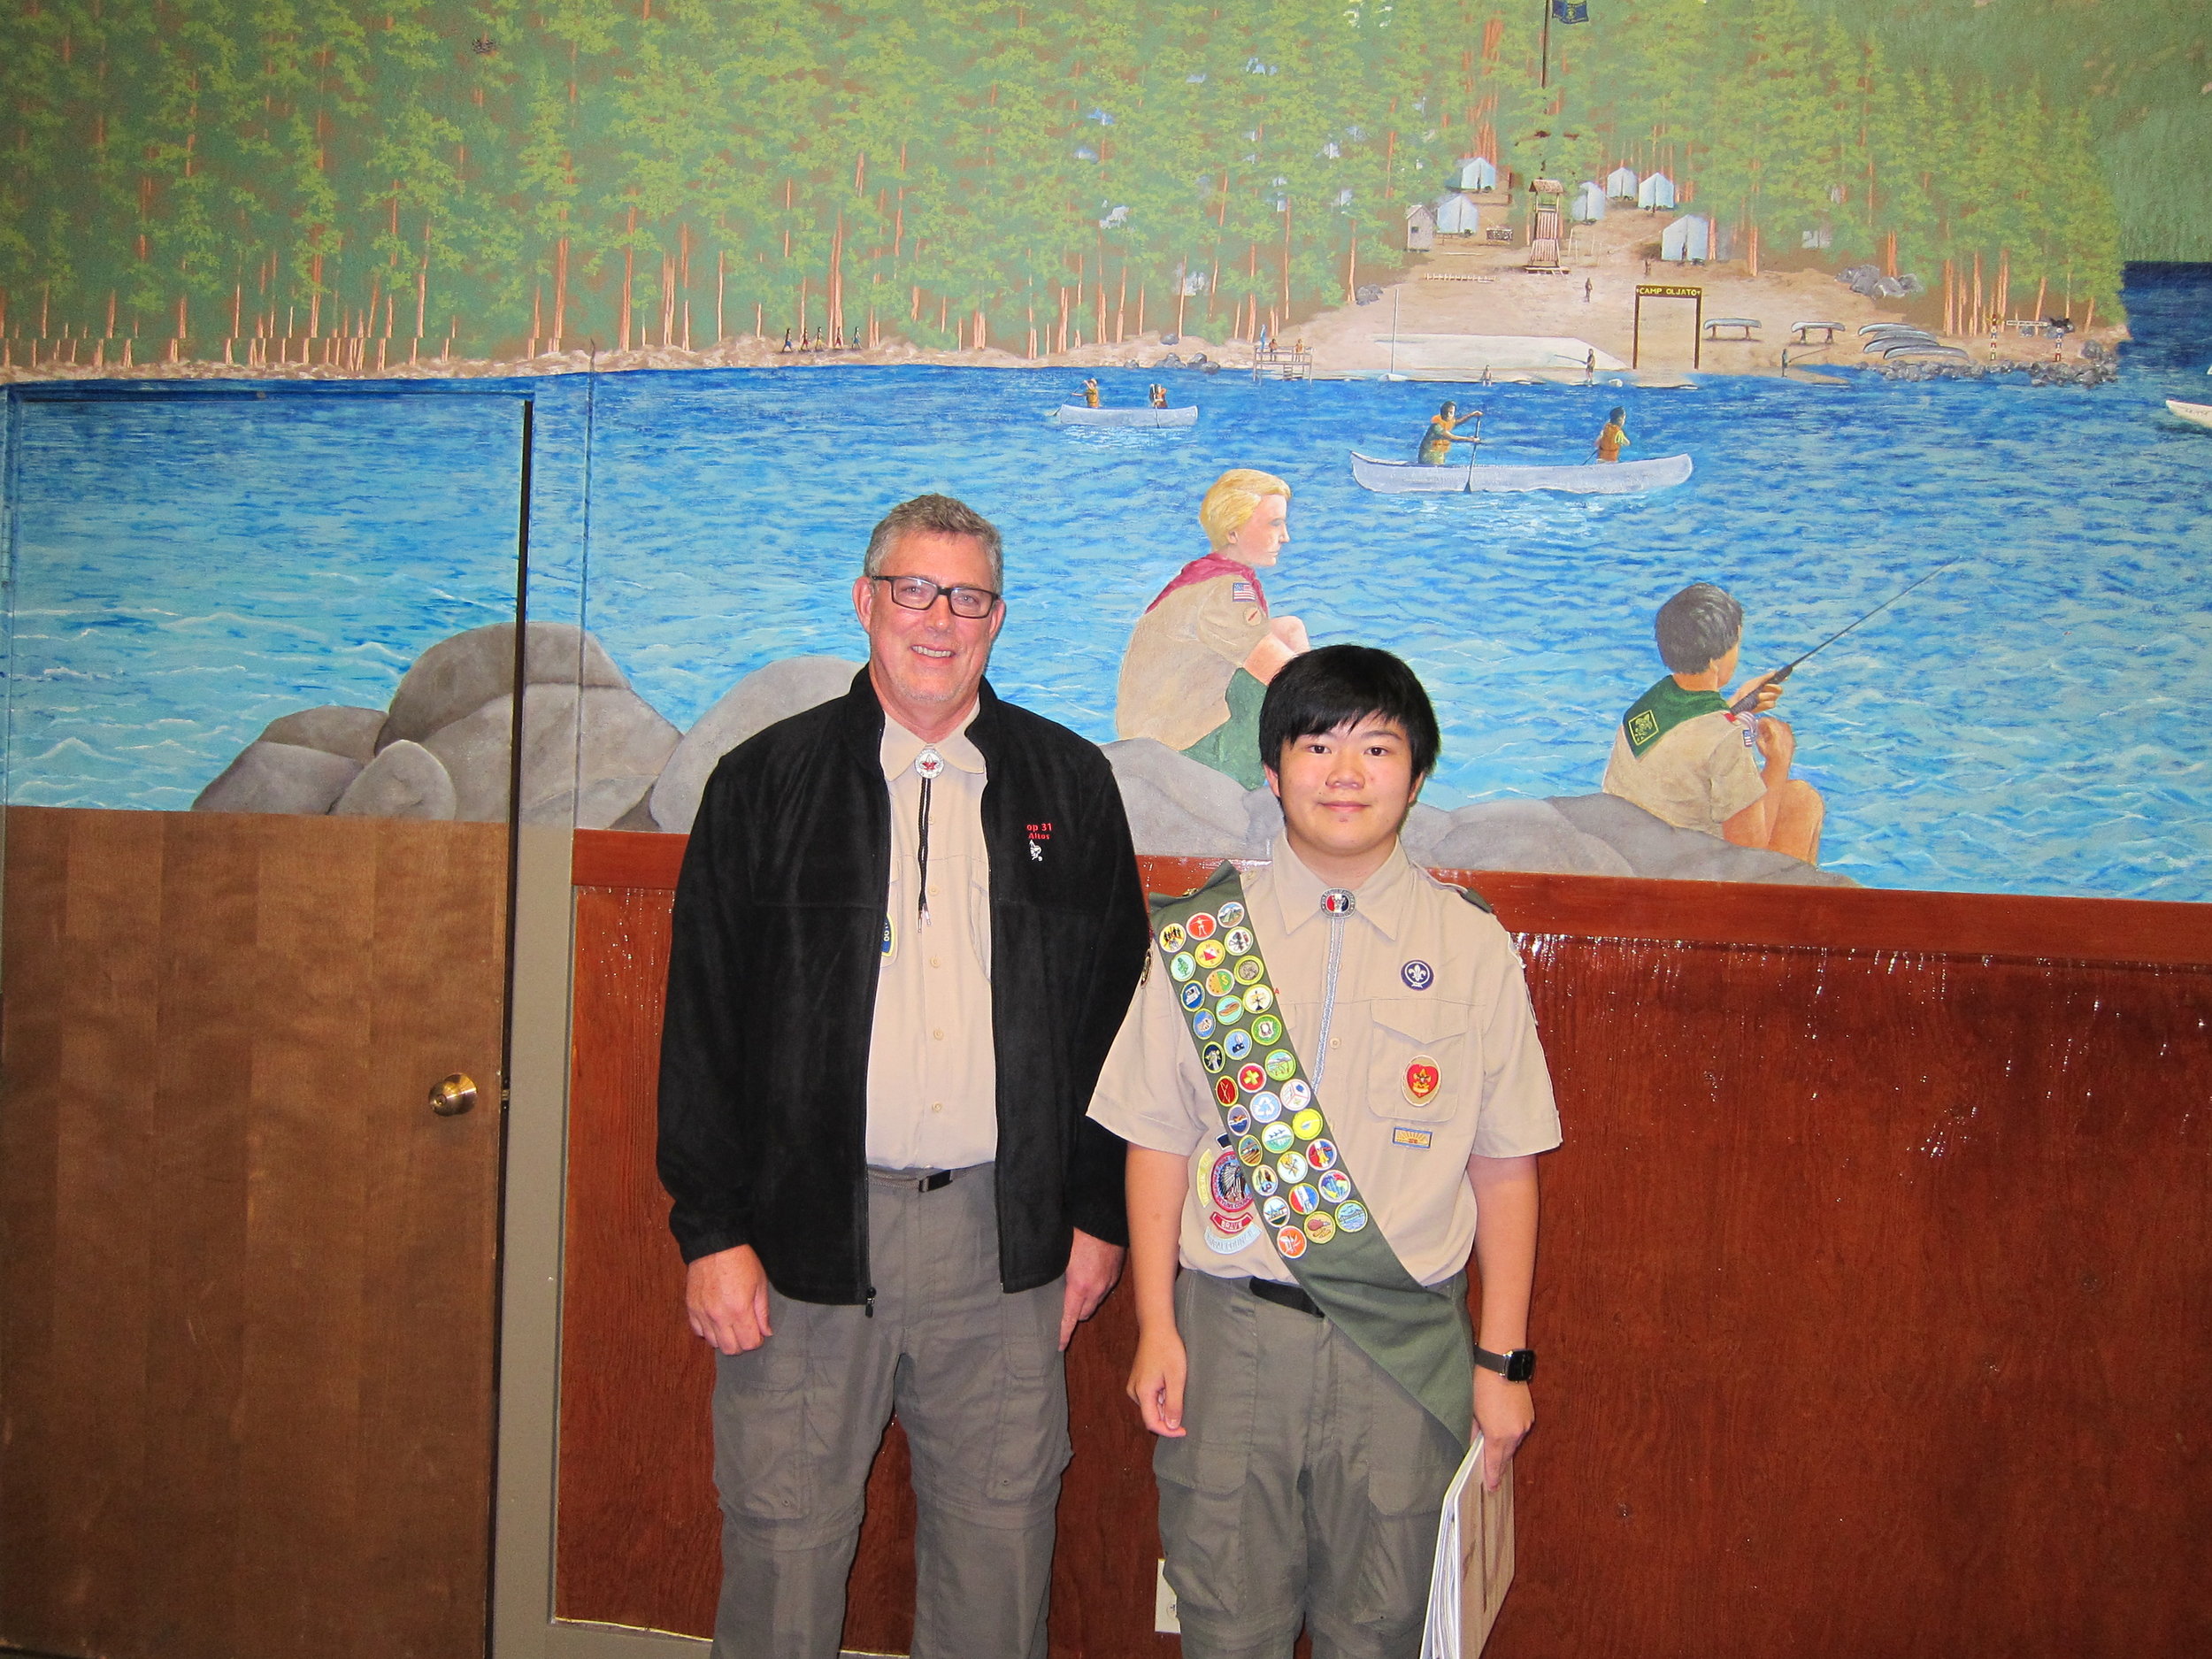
[(1326, 687), (1696, 627)]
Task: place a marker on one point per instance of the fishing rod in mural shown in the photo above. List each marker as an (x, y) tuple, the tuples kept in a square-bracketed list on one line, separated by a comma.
[(366, 183)]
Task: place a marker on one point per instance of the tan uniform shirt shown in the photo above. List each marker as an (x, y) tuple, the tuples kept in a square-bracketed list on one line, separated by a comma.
[(1697, 776), (1180, 657), (932, 1074), (1424, 979)]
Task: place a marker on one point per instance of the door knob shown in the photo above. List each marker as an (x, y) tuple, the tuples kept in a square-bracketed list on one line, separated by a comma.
[(451, 1096)]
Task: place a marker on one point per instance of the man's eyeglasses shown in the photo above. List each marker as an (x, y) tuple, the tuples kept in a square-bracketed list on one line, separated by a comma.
[(919, 593)]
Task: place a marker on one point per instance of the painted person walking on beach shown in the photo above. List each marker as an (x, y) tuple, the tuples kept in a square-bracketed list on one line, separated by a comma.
[(1199, 658), (1436, 442), (1683, 755), (1613, 436)]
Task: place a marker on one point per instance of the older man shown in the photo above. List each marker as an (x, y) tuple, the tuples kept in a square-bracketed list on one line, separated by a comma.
[(908, 926)]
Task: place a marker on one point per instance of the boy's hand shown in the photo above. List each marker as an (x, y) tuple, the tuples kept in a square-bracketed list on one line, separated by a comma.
[(1156, 1381), (1505, 1414)]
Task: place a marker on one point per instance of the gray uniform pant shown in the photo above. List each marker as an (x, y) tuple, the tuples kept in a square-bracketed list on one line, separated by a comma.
[(976, 1379), (1306, 1489)]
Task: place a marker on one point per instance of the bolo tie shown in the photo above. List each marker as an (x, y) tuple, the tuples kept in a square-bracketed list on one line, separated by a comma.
[(927, 765)]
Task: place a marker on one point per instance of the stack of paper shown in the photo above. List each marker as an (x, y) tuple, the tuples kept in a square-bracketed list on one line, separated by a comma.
[(1474, 1562)]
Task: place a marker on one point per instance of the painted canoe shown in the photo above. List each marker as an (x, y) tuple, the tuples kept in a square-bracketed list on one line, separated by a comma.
[(2202, 413), (1083, 415), (1594, 478)]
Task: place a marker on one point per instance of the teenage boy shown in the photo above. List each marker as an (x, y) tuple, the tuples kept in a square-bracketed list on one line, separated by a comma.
[(1331, 1089)]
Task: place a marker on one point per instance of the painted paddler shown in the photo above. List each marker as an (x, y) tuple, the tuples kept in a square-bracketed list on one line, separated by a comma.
[(1683, 756)]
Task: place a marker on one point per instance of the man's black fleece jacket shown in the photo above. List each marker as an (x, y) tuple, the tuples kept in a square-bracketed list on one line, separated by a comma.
[(772, 985)]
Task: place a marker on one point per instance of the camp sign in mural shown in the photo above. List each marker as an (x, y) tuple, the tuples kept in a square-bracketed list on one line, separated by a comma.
[(1504, 332)]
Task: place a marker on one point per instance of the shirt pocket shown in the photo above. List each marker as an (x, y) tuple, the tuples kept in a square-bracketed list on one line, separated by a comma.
[(1422, 1066)]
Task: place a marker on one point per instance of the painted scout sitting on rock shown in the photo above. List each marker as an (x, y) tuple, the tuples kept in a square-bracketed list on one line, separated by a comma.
[(1683, 752), (1331, 1088)]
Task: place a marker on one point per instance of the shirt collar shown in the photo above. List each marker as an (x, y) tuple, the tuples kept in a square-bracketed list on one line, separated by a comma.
[(901, 746), (1382, 898)]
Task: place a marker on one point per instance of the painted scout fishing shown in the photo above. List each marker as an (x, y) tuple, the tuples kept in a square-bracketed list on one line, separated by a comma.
[(1332, 1091)]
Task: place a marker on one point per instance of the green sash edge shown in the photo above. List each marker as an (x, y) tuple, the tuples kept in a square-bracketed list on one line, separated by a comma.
[(1659, 711), (1422, 1337)]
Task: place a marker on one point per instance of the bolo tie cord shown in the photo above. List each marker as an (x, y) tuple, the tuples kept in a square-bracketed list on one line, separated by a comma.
[(921, 902)]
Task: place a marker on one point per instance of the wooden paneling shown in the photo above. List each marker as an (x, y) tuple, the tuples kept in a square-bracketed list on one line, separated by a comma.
[(246, 1315), (1871, 1302)]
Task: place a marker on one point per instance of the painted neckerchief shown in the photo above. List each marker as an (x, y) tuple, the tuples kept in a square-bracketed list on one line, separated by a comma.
[(1665, 706), (1205, 570), (1316, 1218)]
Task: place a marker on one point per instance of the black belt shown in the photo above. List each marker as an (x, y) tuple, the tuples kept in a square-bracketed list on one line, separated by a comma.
[(1285, 1296), (928, 1183)]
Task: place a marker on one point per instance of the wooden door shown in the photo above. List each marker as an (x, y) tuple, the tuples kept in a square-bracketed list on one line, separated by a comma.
[(246, 1314)]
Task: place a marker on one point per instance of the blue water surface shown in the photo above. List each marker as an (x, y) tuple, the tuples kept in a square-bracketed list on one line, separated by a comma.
[(2026, 722)]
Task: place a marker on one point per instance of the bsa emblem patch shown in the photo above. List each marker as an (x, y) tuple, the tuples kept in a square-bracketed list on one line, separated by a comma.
[(1423, 1079), (1643, 728)]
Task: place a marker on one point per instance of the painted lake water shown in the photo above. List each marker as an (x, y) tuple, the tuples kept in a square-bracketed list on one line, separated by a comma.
[(188, 565)]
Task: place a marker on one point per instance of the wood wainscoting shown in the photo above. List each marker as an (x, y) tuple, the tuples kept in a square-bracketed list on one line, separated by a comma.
[(1872, 1298)]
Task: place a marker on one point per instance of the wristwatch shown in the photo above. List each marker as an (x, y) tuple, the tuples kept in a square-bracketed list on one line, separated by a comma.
[(1517, 1366)]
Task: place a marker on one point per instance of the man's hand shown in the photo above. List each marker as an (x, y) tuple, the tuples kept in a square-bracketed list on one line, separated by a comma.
[(1765, 692), (725, 1295), (1505, 1414), (1778, 744), (1155, 1380), (1093, 1267)]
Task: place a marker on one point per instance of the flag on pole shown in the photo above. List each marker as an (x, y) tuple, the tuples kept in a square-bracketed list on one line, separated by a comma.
[(1570, 10)]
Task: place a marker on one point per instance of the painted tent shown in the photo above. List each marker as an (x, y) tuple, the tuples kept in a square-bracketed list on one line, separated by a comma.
[(1621, 184), (1656, 190), (1689, 237), (1588, 203), (1456, 215)]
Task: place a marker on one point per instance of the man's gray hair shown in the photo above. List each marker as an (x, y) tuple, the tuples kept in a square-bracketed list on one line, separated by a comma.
[(1697, 626), (940, 515)]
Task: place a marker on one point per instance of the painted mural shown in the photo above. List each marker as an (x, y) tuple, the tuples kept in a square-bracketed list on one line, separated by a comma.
[(1604, 361)]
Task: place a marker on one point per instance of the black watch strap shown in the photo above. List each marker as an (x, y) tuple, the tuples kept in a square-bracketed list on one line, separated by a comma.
[(1517, 1366)]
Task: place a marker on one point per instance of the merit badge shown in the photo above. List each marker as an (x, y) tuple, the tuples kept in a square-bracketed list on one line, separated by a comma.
[(1250, 1078), (1201, 1024), (1181, 967), (1401, 1136), (1240, 1121), (1191, 994), (1230, 915), (1263, 1179), (1337, 901), (1291, 1166), (1211, 1057), (1351, 1215), (1229, 1010), (1239, 940), (929, 763), (1201, 925), (1276, 1138), (1267, 1029), (1322, 1154), (1172, 938), (1423, 1079), (1282, 1066), (1211, 954), (1274, 1211), (1303, 1199), (1334, 1187), (1306, 1125), (1266, 1107), (1248, 1152), (1298, 1094), (1320, 1227), (1291, 1242), (1259, 999), (1248, 970), (1220, 982), (1238, 1043), (1417, 975), (1225, 1091)]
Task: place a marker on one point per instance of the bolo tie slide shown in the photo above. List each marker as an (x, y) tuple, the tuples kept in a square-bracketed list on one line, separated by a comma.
[(927, 765)]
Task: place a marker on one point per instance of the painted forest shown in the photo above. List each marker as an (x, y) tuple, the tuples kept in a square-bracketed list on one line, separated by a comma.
[(198, 176)]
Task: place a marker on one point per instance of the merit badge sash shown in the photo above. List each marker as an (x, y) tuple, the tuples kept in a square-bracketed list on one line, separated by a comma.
[(1279, 1159)]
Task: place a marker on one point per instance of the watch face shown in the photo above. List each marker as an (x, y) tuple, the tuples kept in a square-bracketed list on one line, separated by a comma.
[(1520, 1364)]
